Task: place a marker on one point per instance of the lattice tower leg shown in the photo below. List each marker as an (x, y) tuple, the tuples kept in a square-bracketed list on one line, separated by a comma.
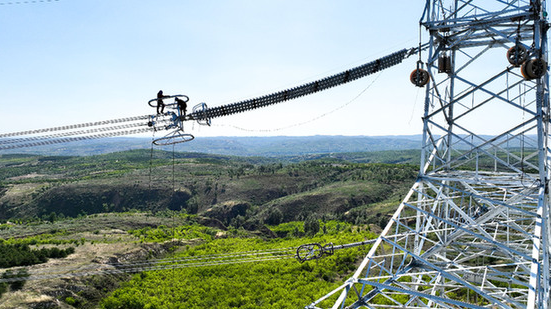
[(474, 230)]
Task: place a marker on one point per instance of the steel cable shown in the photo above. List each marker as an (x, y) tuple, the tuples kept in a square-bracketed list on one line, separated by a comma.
[(202, 115), (211, 257), (76, 126), (6, 142), (131, 268), (76, 138), (169, 263), (65, 134)]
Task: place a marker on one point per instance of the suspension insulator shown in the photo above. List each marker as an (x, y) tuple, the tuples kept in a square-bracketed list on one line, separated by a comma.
[(419, 77), (517, 55), (533, 68)]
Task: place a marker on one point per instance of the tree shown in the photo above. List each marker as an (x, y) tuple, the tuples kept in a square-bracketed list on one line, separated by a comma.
[(275, 216), (311, 226)]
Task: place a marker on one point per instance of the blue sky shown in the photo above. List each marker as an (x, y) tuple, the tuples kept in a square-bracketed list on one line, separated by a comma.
[(74, 61)]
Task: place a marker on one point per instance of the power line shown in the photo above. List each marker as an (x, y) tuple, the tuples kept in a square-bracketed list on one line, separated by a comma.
[(27, 2), (302, 253)]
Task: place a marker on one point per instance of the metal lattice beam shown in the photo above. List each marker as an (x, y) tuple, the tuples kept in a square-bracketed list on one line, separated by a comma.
[(473, 232)]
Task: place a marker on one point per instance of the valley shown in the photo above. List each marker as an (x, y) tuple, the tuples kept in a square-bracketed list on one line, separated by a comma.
[(137, 205)]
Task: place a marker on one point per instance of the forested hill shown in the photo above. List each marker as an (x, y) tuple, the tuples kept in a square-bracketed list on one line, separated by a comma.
[(238, 146)]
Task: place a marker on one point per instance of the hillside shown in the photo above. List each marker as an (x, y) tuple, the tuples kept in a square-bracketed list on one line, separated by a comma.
[(216, 186), (237, 146), (67, 211)]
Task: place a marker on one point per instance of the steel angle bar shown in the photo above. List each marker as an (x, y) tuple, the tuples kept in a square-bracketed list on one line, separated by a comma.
[(465, 228), (490, 144), (449, 275), (482, 103), (441, 100), (480, 86), (367, 261), (535, 269), (385, 231), (523, 194), (474, 146), (480, 20), (440, 300), (471, 58), (493, 43), (509, 137), (508, 275), (508, 36), (475, 36), (486, 199), (496, 95), (434, 152), (464, 215)]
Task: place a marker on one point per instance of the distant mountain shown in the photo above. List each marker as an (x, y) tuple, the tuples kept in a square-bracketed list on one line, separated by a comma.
[(238, 146)]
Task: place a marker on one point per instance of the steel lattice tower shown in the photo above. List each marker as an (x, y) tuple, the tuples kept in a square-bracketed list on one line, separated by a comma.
[(474, 230)]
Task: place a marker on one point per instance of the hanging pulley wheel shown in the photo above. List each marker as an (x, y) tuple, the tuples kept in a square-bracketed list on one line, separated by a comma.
[(419, 77), (517, 55), (533, 68)]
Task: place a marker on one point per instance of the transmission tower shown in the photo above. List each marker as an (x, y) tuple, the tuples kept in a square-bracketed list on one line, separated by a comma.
[(474, 230)]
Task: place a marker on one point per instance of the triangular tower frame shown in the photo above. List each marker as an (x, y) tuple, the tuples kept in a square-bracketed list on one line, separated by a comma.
[(474, 230)]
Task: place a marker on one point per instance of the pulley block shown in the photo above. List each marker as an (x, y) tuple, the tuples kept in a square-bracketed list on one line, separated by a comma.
[(419, 77), (533, 68), (517, 55)]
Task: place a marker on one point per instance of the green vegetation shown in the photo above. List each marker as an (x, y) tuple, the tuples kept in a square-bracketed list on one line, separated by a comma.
[(235, 191), (284, 283), (132, 205), (16, 285), (22, 255), (164, 233)]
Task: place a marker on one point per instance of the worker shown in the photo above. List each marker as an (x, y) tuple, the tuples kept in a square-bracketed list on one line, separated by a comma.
[(160, 103), (182, 105)]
